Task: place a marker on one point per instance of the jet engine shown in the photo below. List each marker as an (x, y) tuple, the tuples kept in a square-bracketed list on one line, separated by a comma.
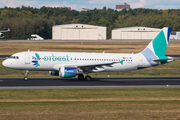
[(66, 72), (54, 73), (1, 35)]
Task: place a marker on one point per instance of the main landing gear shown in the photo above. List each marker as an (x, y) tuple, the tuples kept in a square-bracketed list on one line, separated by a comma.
[(26, 75), (81, 77)]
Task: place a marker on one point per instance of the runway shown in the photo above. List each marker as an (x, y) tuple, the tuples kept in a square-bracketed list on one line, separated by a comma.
[(96, 82)]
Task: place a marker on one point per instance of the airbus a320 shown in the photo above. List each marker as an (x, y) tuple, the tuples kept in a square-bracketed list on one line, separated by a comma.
[(71, 64)]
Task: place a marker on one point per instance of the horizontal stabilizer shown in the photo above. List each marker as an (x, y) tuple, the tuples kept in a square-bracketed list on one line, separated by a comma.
[(164, 58), (6, 30)]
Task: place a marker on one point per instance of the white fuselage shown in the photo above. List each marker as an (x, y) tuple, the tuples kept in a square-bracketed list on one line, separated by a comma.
[(52, 61)]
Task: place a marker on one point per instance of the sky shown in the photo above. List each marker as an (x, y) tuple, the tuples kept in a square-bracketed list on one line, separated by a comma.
[(91, 4)]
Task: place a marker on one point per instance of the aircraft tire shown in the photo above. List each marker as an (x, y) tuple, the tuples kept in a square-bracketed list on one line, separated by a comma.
[(81, 77), (87, 78), (25, 78)]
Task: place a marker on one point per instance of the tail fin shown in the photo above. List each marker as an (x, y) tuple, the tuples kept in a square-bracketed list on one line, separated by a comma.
[(157, 47)]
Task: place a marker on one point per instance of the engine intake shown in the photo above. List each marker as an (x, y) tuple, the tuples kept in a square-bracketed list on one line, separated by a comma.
[(1, 35)]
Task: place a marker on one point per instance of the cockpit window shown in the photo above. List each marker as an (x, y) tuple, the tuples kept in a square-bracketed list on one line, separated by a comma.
[(14, 57)]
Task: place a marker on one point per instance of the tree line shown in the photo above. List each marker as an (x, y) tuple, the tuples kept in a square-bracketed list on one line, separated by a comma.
[(24, 21)]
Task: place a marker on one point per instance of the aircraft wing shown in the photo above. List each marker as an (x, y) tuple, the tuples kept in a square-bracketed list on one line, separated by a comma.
[(85, 67), (96, 65), (6, 30)]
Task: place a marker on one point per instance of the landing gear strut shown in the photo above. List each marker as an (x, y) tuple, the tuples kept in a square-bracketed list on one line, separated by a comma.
[(26, 75)]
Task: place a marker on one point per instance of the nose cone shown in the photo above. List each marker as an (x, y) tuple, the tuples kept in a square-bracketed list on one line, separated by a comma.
[(5, 63)]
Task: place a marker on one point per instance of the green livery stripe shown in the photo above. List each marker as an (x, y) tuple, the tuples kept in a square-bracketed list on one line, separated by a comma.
[(164, 61), (38, 57), (163, 57), (37, 65), (160, 44), (66, 75)]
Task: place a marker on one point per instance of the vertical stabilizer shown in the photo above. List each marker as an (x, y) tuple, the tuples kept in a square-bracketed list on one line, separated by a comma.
[(157, 47)]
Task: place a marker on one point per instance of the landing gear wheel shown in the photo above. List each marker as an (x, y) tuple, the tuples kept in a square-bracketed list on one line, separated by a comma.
[(81, 77), (25, 78), (87, 78), (26, 75)]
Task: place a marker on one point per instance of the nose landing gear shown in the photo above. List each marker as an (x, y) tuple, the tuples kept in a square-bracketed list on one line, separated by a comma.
[(26, 75)]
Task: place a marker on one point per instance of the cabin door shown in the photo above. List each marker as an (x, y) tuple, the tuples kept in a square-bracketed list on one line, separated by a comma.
[(27, 58)]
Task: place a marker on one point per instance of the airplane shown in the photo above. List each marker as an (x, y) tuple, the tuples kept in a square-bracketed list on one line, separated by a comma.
[(71, 64), (2, 35)]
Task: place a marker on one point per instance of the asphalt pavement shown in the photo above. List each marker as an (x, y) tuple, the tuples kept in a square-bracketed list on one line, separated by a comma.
[(96, 82)]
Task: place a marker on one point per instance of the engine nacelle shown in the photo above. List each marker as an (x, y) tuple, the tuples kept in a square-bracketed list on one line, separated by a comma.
[(67, 72), (54, 73), (1, 35)]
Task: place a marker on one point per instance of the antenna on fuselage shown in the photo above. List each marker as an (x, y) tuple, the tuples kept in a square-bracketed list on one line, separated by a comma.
[(28, 50)]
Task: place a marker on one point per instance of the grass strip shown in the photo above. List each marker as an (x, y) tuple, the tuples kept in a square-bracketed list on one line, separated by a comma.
[(132, 103)]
